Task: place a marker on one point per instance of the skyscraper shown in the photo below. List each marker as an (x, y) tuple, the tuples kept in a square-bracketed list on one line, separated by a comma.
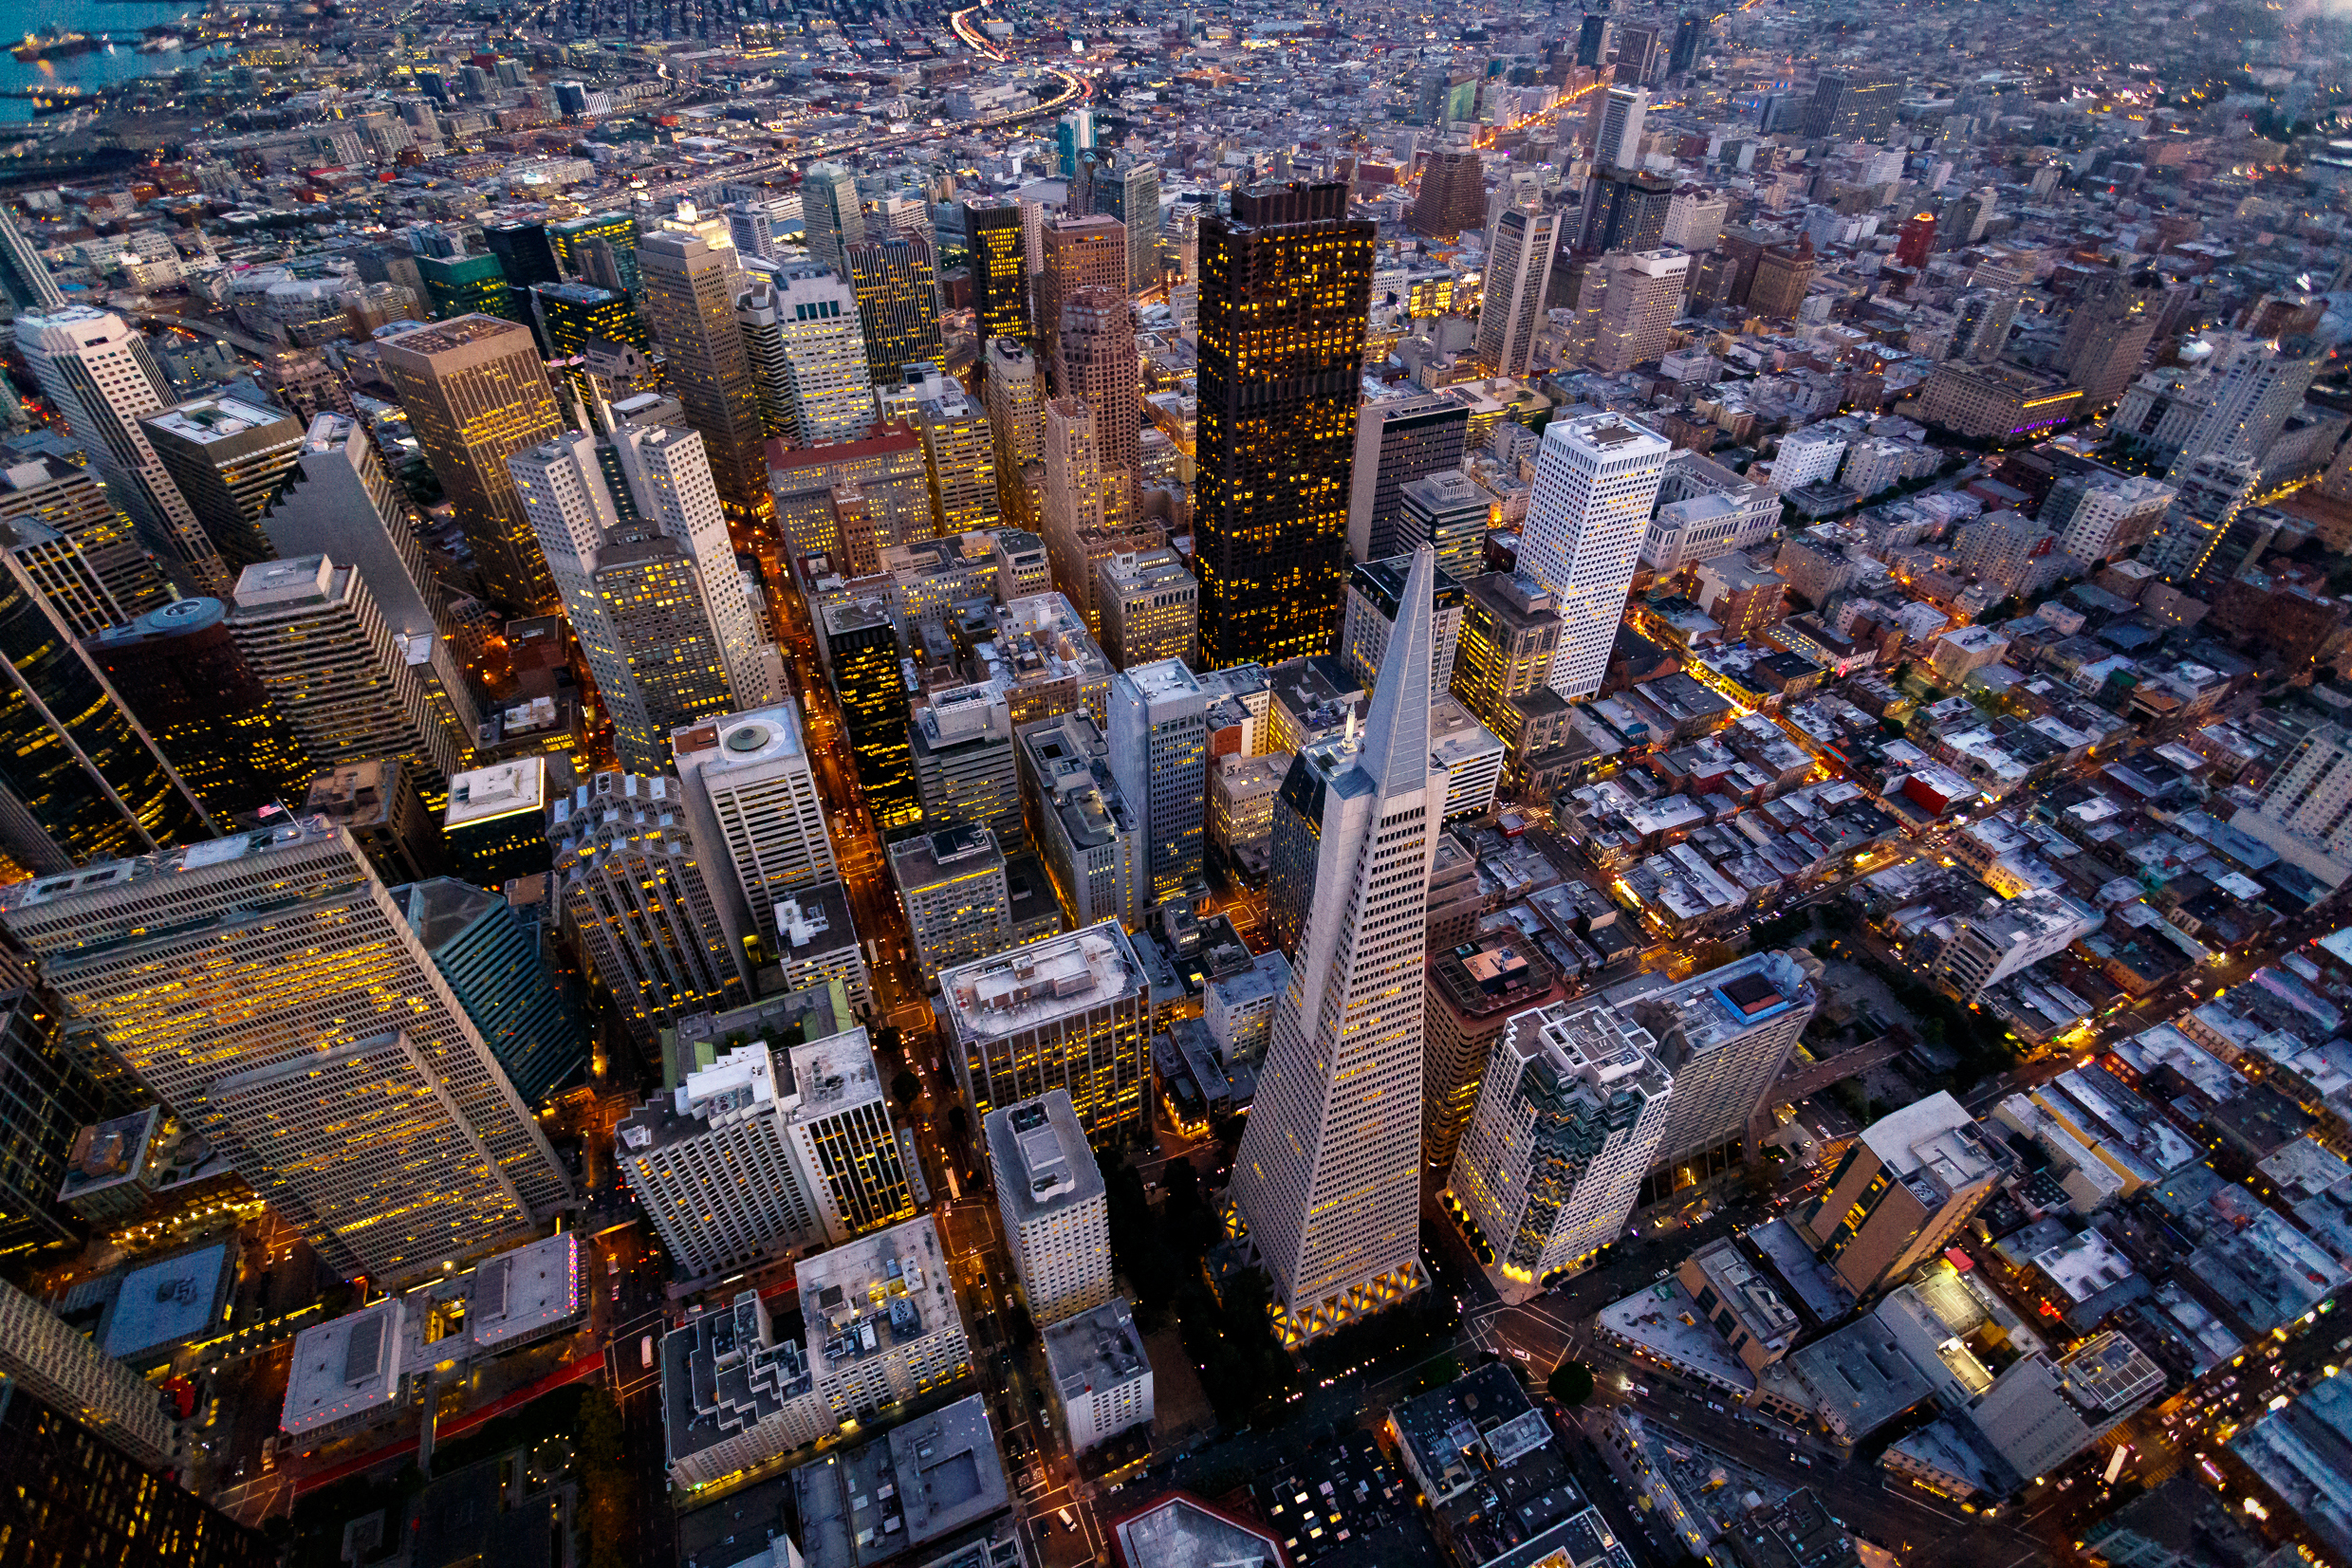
[(1159, 756), (630, 525), (813, 373), (587, 245), (1519, 253), (459, 285), (1979, 333), (963, 753), (897, 304), (960, 454), (573, 315), (1131, 194), (46, 1097), (249, 985), (98, 371), (2212, 492), (1625, 210), (1014, 392), (2108, 330), (1398, 439), (61, 576), (637, 889), (1447, 511), (862, 658), (1903, 1189), (1286, 288), (1327, 1179), (229, 460), (831, 217), (42, 488), (1081, 252), (65, 1370), (1689, 43), (1073, 499), (23, 276), (1000, 271), (2250, 389), (1725, 1034), (477, 392), (1592, 41), (1453, 198), (690, 295), (524, 253), (489, 955), (1095, 361), (1637, 310), (1068, 1012), (1596, 475), (1641, 51), (1617, 131), (181, 675), (751, 795), (1055, 1206), (1847, 106)]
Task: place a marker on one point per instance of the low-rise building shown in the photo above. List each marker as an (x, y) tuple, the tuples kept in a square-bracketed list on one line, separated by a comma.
[(1101, 1375)]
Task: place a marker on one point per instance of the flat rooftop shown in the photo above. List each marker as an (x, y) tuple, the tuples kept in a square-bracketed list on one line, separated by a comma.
[(518, 788), (346, 1367), (1048, 979), (917, 1483), (208, 420), (880, 1291), (1096, 1349), (1040, 1156), (168, 1301), (1181, 1532)]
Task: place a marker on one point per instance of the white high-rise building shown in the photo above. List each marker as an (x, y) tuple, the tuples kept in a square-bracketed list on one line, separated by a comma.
[(1055, 1208), (1725, 1035), (23, 276), (2249, 392), (1806, 456), (1617, 143), (592, 531), (1596, 476), (97, 369), (1519, 248), (2306, 812), (1159, 756), (2096, 517), (832, 216), (1569, 1115), (800, 326), (766, 1151), (65, 1370), (1327, 1179), (267, 989), (752, 797)]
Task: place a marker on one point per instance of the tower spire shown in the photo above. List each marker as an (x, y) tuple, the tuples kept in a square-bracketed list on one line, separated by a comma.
[(1395, 739)]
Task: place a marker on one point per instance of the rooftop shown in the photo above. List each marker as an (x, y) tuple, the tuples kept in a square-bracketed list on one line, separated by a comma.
[(208, 420), (503, 789), (1096, 1349), (1040, 1156), (878, 1292), (1178, 1532), (1052, 978)]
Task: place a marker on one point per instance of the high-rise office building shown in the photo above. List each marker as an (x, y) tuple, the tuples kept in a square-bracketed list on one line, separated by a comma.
[(2306, 809), (460, 285), (1905, 1187), (1453, 198), (573, 315), (1641, 53), (1623, 211), (1285, 295), (759, 316), (1150, 608), (476, 391), (631, 528), (832, 218), (951, 882), (1375, 593), (1448, 511), (961, 746), (1616, 130), (1326, 1179), (42, 488), (1478, 982), (98, 371), (1073, 134), (600, 248), (81, 780), (315, 637), (1068, 1012), (24, 279), (2212, 492), (637, 889), (229, 460), (1784, 273), (248, 983), (1501, 665), (61, 576), (1073, 498), (2108, 330), (1159, 756), (1596, 475), (770, 1149), (180, 676), (1638, 312), (1000, 269), (64, 1368), (862, 660), (2248, 394), (1087, 834), (526, 254), (496, 826), (960, 452), (1519, 251), (48, 1094), (1014, 392), (489, 955), (815, 374), (1568, 1121), (1398, 439), (1847, 106), (1129, 193), (1078, 252), (897, 290), (1592, 41), (752, 793), (751, 225), (1689, 43), (1055, 1206), (1094, 362), (1725, 1035), (690, 296)]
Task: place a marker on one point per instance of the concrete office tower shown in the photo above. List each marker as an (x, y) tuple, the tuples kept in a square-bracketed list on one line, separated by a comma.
[(1694, 219), (1373, 597), (1074, 492), (229, 460), (490, 956), (1081, 253), (951, 883), (1285, 295), (1150, 608), (753, 227), (1057, 1215), (1644, 296), (98, 371), (750, 792), (41, 487), (1448, 512), (1000, 270), (1596, 475), (24, 279), (767, 1150), (2213, 491), (255, 985), (1641, 53), (65, 1368), (1101, 1373), (1502, 666), (1453, 198), (827, 394), (1131, 194), (1568, 1119), (966, 769), (1478, 982), (348, 686), (1326, 1180), (477, 392), (637, 888), (180, 676), (2099, 514), (1725, 1035), (1159, 756), (1519, 251), (1847, 106), (648, 580), (2108, 330), (1689, 43), (690, 302), (818, 944), (1094, 362), (959, 456), (756, 317), (1980, 328), (898, 286), (2252, 393), (832, 218), (1617, 133), (1905, 1187), (1068, 1012), (87, 782), (2305, 810), (1398, 439), (1088, 836), (1013, 393)]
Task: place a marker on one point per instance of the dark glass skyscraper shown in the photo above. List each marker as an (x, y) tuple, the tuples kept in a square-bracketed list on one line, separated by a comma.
[(1000, 271), (524, 253), (181, 676), (1286, 283), (862, 652), (606, 236), (46, 1098), (897, 304), (1690, 42)]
